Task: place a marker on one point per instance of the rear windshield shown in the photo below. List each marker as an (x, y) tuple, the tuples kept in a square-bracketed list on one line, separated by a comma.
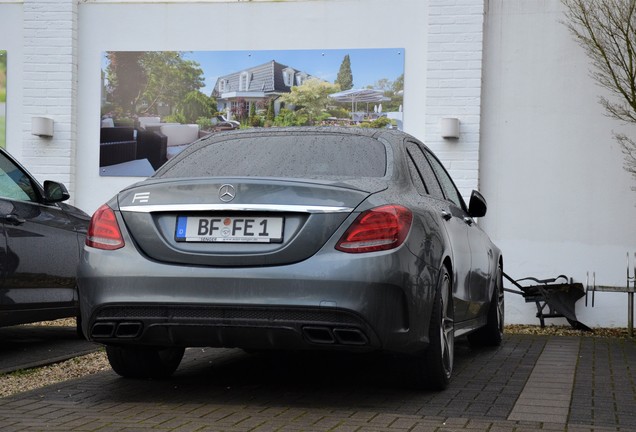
[(296, 156)]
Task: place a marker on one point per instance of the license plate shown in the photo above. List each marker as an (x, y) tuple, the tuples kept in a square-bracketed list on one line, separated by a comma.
[(237, 229)]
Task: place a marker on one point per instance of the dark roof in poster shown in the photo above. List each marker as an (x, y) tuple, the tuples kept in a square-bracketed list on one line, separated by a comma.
[(267, 78)]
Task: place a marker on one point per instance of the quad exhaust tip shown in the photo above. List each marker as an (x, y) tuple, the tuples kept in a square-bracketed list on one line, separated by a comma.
[(102, 330)]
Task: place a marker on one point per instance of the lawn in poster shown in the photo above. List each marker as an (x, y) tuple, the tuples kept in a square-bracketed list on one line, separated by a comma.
[(155, 103)]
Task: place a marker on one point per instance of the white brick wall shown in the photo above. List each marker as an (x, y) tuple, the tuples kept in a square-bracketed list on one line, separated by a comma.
[(50, 88), (454, 67)]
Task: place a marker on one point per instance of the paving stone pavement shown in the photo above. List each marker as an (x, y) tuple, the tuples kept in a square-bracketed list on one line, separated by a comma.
[(547, 394), (229, 390)]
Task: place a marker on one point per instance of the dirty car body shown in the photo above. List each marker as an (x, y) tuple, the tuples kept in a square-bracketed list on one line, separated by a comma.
[(292, 239)]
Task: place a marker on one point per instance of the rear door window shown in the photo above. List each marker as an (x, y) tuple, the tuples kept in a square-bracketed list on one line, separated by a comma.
[(425, 170), (446, 183), (415, 176)]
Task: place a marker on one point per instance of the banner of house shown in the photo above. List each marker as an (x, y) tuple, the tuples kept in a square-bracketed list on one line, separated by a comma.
[(155, 103), (3, 98)]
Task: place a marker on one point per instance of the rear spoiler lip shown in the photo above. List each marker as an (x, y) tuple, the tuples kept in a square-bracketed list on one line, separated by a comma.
[(156, 208)]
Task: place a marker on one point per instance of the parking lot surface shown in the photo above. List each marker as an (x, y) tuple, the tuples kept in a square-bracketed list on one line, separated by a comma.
[(530, 383)]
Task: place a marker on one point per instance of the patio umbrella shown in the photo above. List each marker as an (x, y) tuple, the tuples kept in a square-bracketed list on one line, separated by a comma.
[(359, 95)]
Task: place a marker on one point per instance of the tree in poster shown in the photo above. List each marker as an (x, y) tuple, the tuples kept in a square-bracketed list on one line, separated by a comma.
[(311, 98), (139, 82), (271, 111), (196, 105), (170, 79), (239, 109), (126, 80), (394, 90), (345, 78)]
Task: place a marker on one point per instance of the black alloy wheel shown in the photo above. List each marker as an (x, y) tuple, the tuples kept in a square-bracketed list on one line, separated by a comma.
[(433, 370)]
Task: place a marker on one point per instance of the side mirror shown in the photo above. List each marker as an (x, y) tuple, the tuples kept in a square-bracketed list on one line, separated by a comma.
[(55, 192), (477, 206)]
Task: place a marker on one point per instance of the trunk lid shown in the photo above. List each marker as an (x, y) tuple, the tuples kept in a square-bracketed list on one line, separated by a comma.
[(238, 221)]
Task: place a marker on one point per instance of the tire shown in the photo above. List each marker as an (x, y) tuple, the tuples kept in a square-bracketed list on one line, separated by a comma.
[(433, 370), (492, 333), (142, 362)]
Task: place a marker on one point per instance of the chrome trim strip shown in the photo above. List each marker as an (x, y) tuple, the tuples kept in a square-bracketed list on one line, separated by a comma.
[(234, 207)]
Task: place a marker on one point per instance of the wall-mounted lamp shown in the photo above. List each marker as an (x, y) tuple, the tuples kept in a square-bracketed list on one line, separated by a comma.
[(449, 127), (42, 126)]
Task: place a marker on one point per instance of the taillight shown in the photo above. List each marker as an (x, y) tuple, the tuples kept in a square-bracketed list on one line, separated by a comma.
[(103, 231), (378, 229)]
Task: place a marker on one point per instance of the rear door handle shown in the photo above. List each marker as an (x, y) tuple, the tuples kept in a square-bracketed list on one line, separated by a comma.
[(446, 215), (468, 220)]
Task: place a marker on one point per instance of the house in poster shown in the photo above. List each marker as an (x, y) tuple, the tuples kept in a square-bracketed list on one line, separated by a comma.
[(256, 84)]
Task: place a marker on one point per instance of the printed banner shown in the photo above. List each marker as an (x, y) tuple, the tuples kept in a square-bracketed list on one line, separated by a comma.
[(156, 103)]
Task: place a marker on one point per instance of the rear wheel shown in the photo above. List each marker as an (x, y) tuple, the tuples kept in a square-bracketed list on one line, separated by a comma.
[(492, 333), (434, 370), (143, 362)]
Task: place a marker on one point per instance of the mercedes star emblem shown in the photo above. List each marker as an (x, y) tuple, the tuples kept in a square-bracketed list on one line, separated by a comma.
[(227, 193)]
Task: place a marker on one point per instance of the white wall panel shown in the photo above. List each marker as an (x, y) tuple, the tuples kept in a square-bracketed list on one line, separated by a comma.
[(560, 201)]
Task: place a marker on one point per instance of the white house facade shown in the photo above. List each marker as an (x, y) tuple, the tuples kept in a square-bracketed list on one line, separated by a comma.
[(532, 136), (256, 84)]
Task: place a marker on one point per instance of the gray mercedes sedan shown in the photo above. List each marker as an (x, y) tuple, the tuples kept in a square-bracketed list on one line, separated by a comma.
[(292, 239)]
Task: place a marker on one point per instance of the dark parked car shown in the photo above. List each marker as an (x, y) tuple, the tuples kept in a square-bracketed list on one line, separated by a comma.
[(337, 239), (40, 247)]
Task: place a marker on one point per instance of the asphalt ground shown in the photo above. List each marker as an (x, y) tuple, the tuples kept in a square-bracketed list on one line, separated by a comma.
[(520, 386)]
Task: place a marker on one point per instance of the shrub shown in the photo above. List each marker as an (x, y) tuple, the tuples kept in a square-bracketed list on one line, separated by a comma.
[(290, 118), (205, 123), (195, 105), (380, 122), (339, 112), (175, 118)]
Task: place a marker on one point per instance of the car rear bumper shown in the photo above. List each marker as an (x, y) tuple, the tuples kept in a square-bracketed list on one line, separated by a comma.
[(231, 325), (366, 302)]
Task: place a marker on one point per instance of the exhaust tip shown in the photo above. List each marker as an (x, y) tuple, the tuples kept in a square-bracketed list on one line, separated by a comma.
[(103, 330), (319, 335), (350, 336), (128, 330)]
